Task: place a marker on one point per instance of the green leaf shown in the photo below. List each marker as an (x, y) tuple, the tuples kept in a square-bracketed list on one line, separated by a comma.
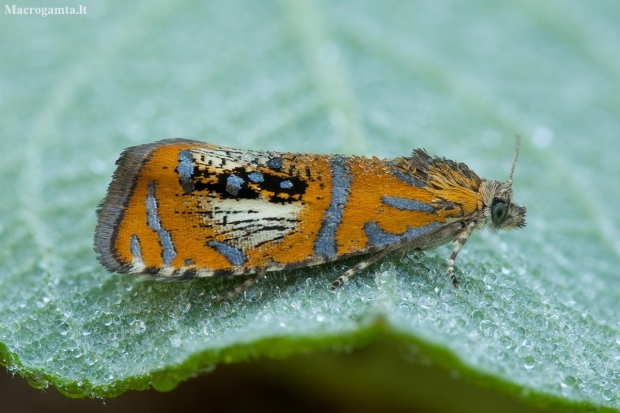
[(537, 314)]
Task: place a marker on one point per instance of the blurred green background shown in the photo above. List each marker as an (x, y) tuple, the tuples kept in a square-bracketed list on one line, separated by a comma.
[(535, 324)]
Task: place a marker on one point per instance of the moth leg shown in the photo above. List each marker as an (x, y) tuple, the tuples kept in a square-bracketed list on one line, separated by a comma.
[(460, 240), (241, 287), (359, 267)]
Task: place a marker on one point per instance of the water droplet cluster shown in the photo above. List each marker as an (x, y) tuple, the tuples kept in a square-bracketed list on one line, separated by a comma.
[(103, 329)]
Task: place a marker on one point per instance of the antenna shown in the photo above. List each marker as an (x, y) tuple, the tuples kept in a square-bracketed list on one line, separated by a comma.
[(514, 163)]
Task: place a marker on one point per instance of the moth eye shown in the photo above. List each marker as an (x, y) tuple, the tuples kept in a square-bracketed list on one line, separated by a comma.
[(499, 212)]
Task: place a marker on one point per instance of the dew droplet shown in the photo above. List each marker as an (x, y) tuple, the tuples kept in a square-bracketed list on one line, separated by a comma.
[(427, 302), (252, 293), (64, 328), (568, 382), (38, 382), (529, 362), (139, 327)]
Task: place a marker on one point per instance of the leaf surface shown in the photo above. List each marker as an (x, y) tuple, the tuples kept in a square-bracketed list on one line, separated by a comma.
[(537, 313)]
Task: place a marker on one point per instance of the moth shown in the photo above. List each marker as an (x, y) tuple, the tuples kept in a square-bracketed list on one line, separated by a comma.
[(179, 209)]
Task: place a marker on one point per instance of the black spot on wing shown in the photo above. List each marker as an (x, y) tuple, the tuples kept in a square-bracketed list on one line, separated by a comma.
[(188, 274), (243, 184), (152, 270)]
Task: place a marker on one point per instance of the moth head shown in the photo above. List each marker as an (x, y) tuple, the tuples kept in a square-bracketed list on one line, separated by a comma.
[(499, 211)]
